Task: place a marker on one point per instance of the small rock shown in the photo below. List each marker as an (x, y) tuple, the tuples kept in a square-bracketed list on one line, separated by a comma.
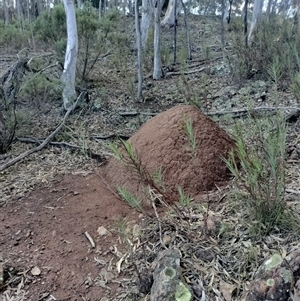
[(136, 230), (102, 231), (273, 281), (35, 271), (167, 282)]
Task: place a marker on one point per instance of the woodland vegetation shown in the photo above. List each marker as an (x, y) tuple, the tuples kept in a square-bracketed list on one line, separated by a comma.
[(77, 90)]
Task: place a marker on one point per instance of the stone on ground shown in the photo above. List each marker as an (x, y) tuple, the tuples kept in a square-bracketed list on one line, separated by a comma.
[(163, 147), (167, 285), (274, 279)]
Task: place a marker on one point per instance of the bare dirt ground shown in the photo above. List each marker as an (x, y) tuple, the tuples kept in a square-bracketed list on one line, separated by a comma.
[(46, 230)]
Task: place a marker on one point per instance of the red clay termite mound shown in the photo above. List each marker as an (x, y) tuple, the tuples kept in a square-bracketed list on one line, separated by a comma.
[(164, 147)]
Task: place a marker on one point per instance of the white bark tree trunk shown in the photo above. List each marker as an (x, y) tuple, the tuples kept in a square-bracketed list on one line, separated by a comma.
[(187, 32), (69, 73), (226, 14), (169, 18), (257, 11), (139, 50), (157, 72), (6, 14), (147, 15), (268, 10)]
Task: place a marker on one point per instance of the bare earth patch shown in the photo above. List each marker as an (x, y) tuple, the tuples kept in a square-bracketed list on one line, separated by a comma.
[(47, 229)]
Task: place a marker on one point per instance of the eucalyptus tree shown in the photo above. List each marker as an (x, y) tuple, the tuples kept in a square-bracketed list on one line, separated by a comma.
[(256, 15), (147, 16), (152, 8), (171, 13), (139, 50), (69, 72), (5, 9), (157, 69)]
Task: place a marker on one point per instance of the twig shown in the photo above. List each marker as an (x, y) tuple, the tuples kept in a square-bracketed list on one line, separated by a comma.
[(91, 154), (159, 223), (134, 113), (45, 142), (88, 236), (292, 191), (155, 194)]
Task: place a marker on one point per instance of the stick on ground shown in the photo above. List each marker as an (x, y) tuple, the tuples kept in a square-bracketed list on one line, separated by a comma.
[(45, 142)]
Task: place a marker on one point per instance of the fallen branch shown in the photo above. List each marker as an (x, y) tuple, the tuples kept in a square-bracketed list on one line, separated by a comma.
[(254, 112), (168, 74), (45, 142), (87, 151), (134, 113)]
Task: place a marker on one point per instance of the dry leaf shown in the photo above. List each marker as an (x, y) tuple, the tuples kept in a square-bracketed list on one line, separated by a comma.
[(227, 289)]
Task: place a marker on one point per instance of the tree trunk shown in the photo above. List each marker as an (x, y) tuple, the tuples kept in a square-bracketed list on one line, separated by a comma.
[(175, 32), (6, 15), (246, 22), (223, 21), (268, 10), (187, 32), (170, 17), (257, 11), (139, 50), (157, 72), (227, 11), (20, 14), (273, 11), (69, 73), (147, 14)]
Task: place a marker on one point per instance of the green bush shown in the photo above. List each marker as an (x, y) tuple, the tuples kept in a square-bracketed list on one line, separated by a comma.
[(95, 36), (39, 87), (50, 26), (259, 168), (13, 35)]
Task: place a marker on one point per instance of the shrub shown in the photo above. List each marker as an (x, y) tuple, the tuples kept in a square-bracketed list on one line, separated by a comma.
[(39, 87), (260, 173), (51, 26), (95, 36), (13, 35)]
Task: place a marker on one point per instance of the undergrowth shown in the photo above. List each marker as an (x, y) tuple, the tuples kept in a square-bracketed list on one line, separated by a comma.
[(275, 41), (258, 165)]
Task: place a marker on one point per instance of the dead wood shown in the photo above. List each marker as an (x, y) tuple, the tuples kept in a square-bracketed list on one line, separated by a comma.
[(256, 112), (168, 74), (10, 80), (91, 154), (46, 141)]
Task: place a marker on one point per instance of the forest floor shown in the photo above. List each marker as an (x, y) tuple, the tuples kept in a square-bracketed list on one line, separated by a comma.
[(66, 235)]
